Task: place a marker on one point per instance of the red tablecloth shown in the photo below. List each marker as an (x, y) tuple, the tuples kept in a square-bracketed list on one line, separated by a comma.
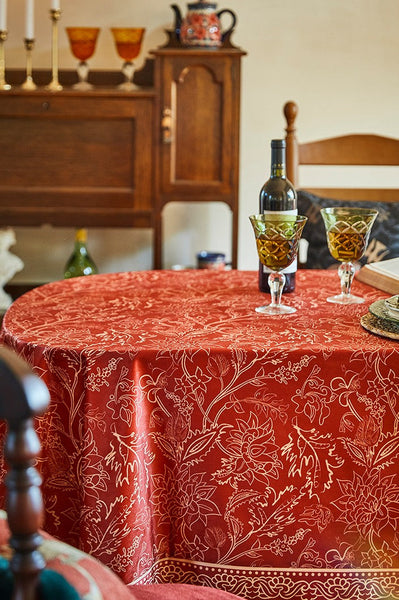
[(192, 439)]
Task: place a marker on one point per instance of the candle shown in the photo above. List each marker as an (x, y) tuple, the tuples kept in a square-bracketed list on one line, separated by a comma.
[(29, 28), (55, 4), (3, 15)]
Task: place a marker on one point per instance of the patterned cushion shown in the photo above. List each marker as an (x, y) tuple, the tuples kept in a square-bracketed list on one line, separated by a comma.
[(91, 579), (94, 581), (384, 237), (51, 584)]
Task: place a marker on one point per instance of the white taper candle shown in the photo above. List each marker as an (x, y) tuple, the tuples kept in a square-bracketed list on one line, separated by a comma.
[(55, 4), (29, 29), (3, 15)]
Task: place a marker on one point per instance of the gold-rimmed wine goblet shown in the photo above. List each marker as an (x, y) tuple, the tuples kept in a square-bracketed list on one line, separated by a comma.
[(82, 41), (128, 45), (277, 238), (348, 230)]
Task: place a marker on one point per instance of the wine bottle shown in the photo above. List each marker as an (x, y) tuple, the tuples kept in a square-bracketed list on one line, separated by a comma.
[(278, 195), (80, 261)]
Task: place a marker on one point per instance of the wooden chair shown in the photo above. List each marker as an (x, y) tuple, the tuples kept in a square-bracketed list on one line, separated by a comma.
[(23, 396), (349, 150), (24, 574), (353, 149)]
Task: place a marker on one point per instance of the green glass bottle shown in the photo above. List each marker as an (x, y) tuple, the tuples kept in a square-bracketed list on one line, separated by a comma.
[(80, 262)]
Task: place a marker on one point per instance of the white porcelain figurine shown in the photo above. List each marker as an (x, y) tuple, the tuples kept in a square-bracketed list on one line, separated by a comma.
[(9, 265)]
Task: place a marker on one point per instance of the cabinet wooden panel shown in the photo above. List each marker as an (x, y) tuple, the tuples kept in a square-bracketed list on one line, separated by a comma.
[(106, 158), (199, 108), (76, 159)]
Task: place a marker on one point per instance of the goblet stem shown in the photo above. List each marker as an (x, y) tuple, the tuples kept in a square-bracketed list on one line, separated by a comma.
[(83, 73), (128, 71), (346, 272), (276, 283)]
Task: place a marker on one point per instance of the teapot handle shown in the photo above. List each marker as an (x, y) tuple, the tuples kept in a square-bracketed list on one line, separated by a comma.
[(233, 23)]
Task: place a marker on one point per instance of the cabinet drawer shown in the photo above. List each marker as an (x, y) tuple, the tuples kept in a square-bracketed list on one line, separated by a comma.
[(76, 160)]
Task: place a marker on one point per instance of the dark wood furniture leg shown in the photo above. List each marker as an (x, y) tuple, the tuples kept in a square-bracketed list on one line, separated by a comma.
[(22, 396)]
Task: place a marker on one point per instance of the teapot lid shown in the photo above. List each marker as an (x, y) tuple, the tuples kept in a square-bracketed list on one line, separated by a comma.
[(200, 4)]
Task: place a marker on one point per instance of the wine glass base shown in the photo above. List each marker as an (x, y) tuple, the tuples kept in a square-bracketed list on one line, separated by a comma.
[(82, 85), (280, 309), (128, 86), (345, 299)]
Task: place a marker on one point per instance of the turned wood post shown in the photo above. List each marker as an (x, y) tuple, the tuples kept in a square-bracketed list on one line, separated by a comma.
[(23, 395), (290, 113)]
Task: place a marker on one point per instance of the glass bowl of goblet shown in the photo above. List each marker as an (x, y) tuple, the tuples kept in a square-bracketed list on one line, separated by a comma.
[(128, 45), (348, 230), (277, 239), (82, 41)]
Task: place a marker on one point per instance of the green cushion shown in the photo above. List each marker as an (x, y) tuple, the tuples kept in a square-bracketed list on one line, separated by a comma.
[(51, 584)]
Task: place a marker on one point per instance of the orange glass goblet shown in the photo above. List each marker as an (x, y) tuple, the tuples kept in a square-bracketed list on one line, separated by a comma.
[(128, 45), (82, 41)]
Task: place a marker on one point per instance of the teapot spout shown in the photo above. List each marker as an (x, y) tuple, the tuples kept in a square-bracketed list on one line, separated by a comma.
[(178, 19)]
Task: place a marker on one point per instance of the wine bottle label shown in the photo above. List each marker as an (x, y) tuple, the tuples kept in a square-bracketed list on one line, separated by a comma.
[(280, 212), (291, 269), (294, 265)]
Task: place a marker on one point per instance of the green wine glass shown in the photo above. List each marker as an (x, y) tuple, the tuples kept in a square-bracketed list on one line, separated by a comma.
[(277, 238), (348, 230)]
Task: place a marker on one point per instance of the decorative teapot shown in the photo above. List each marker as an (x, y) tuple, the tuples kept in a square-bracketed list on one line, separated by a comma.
[(201, 26)]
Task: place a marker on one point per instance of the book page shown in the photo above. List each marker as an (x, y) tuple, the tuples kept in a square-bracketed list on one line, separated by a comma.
[(386, 267)]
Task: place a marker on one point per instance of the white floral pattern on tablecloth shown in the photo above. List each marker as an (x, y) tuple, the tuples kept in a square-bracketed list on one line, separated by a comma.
[(186, 429)]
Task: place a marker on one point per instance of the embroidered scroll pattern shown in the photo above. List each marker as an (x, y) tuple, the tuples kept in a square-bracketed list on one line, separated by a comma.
[(186, 430)]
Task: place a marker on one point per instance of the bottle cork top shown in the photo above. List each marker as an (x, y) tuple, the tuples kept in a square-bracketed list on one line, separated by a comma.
[(278, 143), (81, 235)]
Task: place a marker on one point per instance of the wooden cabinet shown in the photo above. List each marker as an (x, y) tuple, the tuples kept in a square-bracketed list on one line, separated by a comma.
[(106, 158), (199, 110), (77, 159)]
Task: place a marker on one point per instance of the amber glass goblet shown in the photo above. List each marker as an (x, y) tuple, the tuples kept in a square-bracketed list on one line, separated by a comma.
[(82, 41), (277, 238), (348, 230), (128, 45)]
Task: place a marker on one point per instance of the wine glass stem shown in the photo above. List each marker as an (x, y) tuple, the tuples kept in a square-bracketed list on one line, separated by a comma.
[(83, 71), (128, 70), (276, 283), (346, 271)]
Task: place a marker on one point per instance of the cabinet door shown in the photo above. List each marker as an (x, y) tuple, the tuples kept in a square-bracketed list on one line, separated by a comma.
[(76, 160), (200, 101)]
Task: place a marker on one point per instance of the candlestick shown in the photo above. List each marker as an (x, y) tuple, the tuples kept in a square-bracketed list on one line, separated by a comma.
[(29, 84), (3, 15), (54, 85), (29, 24), (3, 84)]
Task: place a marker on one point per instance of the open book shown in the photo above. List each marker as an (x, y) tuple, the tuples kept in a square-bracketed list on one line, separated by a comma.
[(383, 275)]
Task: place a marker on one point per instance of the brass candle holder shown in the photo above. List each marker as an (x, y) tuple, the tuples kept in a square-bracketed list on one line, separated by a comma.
[(3, 84), (29, 84), (54, 85)]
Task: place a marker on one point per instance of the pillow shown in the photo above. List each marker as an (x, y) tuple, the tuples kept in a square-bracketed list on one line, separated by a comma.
[(51, 584), (384, 236), (91, 579)]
